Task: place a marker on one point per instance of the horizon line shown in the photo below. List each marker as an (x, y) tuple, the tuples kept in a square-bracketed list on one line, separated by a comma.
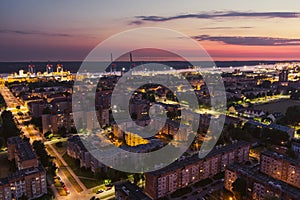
[(61, 61)]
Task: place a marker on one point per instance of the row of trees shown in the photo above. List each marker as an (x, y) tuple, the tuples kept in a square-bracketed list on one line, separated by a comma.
[(8, 128), (44, 157), (250, 133), (2, 102), (239, 188), (291, 117)]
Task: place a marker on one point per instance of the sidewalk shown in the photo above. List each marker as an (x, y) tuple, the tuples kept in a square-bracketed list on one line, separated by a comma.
[(67, 167)]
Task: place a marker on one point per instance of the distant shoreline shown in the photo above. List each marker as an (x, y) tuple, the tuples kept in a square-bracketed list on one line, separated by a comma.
[(73, 66)]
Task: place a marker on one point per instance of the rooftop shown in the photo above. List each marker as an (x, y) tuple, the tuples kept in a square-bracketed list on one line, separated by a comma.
[(195, 158), (25, 151), (281, 156), (21, 173), (260, 177)]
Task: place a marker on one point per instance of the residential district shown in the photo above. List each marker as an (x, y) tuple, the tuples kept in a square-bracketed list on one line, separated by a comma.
[(45, 156)]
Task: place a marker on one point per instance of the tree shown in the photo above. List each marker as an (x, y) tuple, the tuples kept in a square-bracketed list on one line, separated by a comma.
[(269, 197), (170, 96), (59, 144), (134, 116), (239, 188), (136, 178), (62, 131), (47, 134), (266, 84), (2, 102), (274, 136), (26, 139), (100, 173), (291, 153), (73, 130), (152, 98), (2, 142), (44, 157), (292, 114), (9, 128)]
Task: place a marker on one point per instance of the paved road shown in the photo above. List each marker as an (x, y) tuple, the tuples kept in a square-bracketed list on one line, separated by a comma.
[(12, 102), (57, 155), (30, 132)]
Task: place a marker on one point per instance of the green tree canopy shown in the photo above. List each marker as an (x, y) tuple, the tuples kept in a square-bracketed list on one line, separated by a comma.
[(239, 188)]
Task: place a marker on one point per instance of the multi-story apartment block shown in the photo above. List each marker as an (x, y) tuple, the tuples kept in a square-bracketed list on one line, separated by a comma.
[(29, 181), (192, 169), (22, 153), (76, 149), (103, 116), (259, 185), (280, 167)]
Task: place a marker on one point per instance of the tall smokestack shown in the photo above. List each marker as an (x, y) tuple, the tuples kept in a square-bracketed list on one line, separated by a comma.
[(111, 60), (130, 55)]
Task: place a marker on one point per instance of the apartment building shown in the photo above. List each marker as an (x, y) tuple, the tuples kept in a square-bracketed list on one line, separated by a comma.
[(185, 172), (259, 185), (281, 167), (21, 152), (76, 149), (29, 181)]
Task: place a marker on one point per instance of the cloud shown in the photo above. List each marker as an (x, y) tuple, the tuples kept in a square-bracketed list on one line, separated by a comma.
[(226, 27), (19, 32), (250, 41), (215, 15), (136, 22)]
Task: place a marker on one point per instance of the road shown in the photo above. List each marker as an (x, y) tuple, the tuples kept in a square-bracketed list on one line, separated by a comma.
[(12, 103), (86, 193), (58, 156), (29, 131)]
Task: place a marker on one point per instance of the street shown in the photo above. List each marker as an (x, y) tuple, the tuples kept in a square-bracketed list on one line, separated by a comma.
[(33, 134)]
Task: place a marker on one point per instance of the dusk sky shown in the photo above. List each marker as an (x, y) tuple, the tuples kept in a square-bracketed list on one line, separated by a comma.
[(227, 29)]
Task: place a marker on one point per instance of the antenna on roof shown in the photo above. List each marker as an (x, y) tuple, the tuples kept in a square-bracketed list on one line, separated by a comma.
[(130, 56), (111, 60)]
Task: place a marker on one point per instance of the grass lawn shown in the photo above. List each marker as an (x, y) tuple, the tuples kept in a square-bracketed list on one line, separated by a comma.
[(72, 180), (66, 172), (277, 106), (219, 176), (203, 183), (82, 173), (74, 164), (181, 192), (91, 183), (61, 150)]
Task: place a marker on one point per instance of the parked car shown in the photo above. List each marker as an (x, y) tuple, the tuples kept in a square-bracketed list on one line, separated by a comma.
[(67, 190), (108, 188), (99, 191)]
